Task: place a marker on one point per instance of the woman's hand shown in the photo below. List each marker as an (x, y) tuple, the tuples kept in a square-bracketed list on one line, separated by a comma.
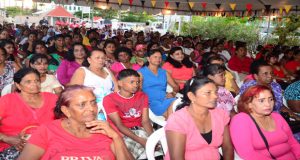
[(15, 141), (102, 127)]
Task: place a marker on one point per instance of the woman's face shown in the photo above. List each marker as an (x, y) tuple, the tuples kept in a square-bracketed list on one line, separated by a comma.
[(41, 65), (262, 104), (82, 108), (155, 59), (9, 48), (4, 35), (199, 47), (206, 96), (40, 49), (110, 48), (30, 83), (32, 37), (140, 53), (79, 52), (97, 59), (177, 56), (218, 78), (123, 57), (129, 45)]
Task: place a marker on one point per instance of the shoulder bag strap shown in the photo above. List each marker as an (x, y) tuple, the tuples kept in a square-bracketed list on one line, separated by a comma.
[(262, 136)]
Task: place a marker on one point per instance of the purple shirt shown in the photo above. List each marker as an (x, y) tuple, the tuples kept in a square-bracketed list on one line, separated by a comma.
[(66, 70)]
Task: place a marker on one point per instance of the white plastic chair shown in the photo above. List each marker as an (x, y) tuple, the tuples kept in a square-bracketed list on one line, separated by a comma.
[(160, 120), (176, 103), (157, 136), (236, 98)]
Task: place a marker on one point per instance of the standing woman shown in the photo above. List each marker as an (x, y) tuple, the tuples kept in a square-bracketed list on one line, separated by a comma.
[(198, 129), (73, 61), (7, 69), (154, 84), (123, 56), (179, 66), (27, 108), (95, 74), (49, 83), (255, 106)]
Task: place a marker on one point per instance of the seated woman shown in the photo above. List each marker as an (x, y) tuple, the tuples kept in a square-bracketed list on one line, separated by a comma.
[(49, 83), (198, 129), (154, 84), (216, 73), (94, 74), (255, 106), (180, 67), (7, 69), (54, 59), (76, 134), (26, 108), (73, 61), (123, 56)]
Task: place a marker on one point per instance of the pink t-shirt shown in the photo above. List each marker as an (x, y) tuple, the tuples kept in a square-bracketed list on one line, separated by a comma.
[(61, 145), (195, 146), (182, 73), (118, 66), (249, 144), (129, 109), (16, 114)]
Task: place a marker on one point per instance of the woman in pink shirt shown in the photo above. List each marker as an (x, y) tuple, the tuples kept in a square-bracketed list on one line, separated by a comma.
[(123, 55), (255, 106), (199, 129), (179, 66)]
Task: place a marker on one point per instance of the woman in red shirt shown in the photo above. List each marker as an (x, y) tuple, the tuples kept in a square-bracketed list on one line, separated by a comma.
[(76, 134)]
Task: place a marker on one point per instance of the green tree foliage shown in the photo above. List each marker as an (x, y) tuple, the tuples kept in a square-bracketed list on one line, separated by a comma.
[(15, 11), (288, 30), (136, 17), (232, 28)]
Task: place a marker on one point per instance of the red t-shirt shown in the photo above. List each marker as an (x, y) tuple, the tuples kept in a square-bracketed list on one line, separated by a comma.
[(61, 145), (182, 73), (292, 66), (240, 65), (16, 114), (129, 109)]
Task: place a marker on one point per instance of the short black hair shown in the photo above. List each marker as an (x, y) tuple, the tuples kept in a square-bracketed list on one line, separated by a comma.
[(35, 57), (127, 73), (122, 49), (20, 74), (255, 65), (56, 37)]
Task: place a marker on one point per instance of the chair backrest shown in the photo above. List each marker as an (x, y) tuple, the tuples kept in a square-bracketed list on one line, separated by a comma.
[(236, 98), (156, 137), (176, 103), (160, 120)]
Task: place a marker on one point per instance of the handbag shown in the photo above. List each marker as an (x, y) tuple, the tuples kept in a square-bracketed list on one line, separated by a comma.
[(12, 153), (263, 137)]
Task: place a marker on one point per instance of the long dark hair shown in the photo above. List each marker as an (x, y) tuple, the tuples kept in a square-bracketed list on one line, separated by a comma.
[(186, 60), (150, 53), (70, 55), (192, 85)]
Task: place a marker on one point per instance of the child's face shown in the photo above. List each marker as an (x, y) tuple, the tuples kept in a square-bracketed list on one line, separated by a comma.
[(140, 53), (9, 48), (129, 84)]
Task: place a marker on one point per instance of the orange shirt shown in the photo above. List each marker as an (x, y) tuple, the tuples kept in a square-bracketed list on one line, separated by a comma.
[(182, 73)]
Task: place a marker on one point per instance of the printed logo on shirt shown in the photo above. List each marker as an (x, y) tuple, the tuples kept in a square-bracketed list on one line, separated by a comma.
[(81, 158), (132, 113)]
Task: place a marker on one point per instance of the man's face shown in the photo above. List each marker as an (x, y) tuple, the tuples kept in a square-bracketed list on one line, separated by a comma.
[(265, 75)]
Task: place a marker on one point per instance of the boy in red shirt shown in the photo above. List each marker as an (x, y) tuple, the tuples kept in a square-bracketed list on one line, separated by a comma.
[(128, 110)]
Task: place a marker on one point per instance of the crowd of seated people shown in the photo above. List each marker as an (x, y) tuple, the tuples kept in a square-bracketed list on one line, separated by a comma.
[(77, 93)]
